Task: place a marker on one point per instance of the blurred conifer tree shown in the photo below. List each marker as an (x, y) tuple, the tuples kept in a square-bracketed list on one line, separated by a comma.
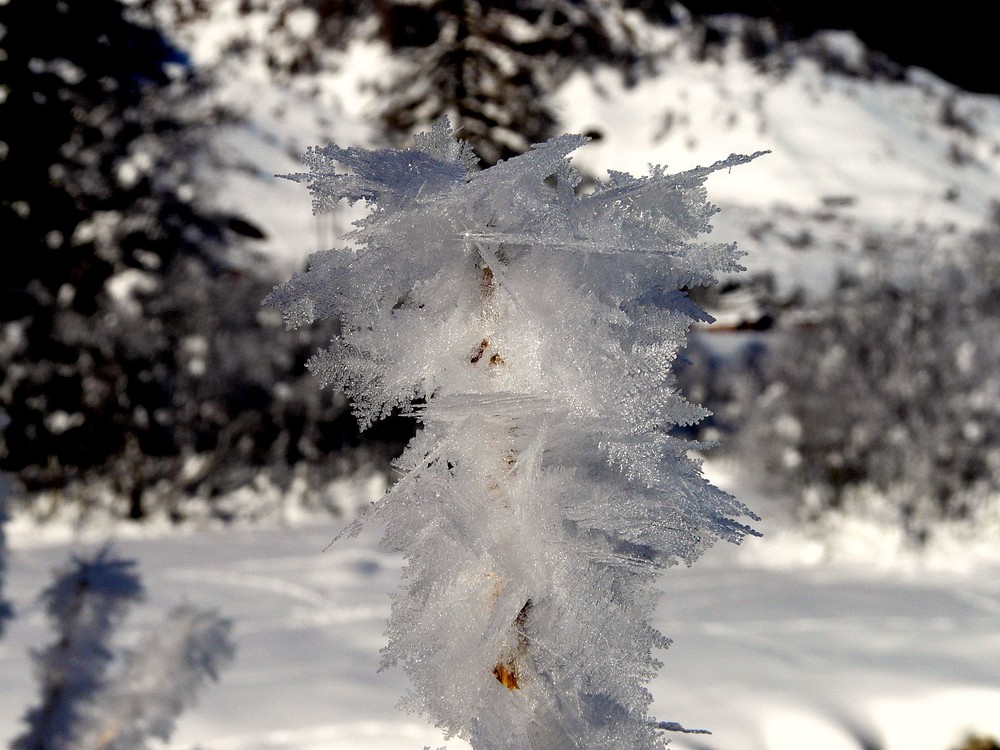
[(132, 348)]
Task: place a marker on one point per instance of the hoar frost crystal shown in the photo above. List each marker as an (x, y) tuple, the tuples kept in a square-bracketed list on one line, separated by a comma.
[(531, 329)]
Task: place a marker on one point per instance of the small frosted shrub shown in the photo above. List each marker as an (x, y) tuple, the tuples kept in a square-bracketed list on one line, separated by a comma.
[(159, 679), (85, 708), (887, 407), (85, 602), (531, 330)]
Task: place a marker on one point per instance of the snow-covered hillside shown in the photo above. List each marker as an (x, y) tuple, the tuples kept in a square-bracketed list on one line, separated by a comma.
[(854, 155), (851, 158)]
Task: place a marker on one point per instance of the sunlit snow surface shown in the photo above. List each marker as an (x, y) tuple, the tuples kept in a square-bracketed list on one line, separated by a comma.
[(768, 657)]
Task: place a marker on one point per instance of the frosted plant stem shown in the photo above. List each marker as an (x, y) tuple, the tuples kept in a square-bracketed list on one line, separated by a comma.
[(545, 490), (508, 663)]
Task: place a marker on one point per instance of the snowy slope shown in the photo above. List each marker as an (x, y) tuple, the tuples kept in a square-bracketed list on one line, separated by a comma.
[(883, 148), (853, 156)]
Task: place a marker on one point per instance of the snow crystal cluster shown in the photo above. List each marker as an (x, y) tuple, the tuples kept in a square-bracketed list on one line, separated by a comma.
[(531, 328)]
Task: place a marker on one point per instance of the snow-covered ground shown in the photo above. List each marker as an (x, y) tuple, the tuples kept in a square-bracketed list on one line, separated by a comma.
[(767, 654)]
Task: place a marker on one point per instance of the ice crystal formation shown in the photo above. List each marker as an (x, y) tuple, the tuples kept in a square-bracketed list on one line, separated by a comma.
[(531, 328)]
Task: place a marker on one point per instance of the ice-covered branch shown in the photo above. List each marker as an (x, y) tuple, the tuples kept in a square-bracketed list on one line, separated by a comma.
[(82, 707), (85, 603), (159, 679), (545, 490)]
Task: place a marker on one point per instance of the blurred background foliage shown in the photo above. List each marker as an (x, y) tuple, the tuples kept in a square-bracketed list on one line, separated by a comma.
[(138, 370)]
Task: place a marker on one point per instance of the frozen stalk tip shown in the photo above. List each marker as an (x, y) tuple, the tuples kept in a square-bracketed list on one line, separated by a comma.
[(531, 328)]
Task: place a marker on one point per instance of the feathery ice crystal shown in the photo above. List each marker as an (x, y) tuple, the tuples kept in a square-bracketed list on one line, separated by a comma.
[(531, 328)]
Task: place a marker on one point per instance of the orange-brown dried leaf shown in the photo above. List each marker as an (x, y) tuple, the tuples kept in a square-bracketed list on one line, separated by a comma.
[(506, 675)]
